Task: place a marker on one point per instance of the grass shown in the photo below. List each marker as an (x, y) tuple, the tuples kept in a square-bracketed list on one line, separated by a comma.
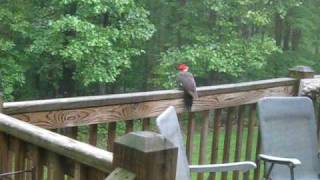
[(102, 134), (220, 149)]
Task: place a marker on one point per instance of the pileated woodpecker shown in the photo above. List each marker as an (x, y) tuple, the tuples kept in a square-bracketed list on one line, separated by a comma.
[(188, 84)]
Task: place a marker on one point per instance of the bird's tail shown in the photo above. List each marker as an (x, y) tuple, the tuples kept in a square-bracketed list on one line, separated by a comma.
[(188, 100)]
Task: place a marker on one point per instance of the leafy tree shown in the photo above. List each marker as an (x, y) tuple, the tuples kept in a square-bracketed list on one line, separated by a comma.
[(75, 42), (57, 48), (220, 37)]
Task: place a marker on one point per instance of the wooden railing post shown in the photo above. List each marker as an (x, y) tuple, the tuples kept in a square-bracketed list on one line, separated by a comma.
[(300, 72), (4, 145), (1, 102), (146, 154)]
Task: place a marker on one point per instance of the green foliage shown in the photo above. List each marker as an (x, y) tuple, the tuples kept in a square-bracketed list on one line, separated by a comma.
[(60, 48), (97, 50), (234, 57), (11, 61), (216, 36), (95, 40)]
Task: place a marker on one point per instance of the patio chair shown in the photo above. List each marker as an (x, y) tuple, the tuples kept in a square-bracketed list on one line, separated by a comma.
[(168, 126), (288, 138)]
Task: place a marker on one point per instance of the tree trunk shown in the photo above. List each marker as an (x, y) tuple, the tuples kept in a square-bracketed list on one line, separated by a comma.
[(67, 84), (295, 40), (182, 3), (278, 29), (317, 44), (287, 35), (212, 19)]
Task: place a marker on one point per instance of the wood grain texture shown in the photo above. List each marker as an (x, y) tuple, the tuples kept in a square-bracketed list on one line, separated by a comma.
[(78, 151), (227, 140), (140, 97), (19, 160), (96, 174), (252, 119), (10, 162), (113, 113), (72, 132), (4, 152), (190, 134), (28, 176), (4, 145), (112, 127), (205, 116), (129, 126), (80, 172), (257, 171), (215, 140), (147, 154), (146, 124), (239, 136), (37, 161), (93, 128), (55, 170)]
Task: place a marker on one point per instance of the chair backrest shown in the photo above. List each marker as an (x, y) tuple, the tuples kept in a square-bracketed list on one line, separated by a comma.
[(169, 127), (288, 129)]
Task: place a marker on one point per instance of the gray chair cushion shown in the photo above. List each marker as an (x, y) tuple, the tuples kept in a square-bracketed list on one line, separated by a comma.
[(288, 129)]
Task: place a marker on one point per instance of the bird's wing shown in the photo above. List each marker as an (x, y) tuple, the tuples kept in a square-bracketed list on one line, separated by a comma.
[(187, 82)]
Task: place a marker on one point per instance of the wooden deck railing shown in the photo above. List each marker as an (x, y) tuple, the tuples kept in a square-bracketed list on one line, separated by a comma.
[(50, 155), (226, 115)]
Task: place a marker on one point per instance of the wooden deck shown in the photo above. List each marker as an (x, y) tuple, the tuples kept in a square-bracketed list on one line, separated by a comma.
[(221, 111)]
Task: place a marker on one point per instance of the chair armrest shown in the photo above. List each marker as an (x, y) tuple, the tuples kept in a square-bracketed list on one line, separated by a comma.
[(280, 160), (236, 166)]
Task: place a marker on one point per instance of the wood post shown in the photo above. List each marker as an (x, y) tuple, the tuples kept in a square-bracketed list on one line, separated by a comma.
[(146, 154), (301, 72), (1, 101), (4, 145)]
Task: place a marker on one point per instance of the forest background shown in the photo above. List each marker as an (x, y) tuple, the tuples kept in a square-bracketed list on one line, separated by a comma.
[(65, 48)]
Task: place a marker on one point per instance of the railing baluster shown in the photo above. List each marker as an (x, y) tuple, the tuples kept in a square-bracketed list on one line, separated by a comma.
[(37, 162), (19, 153), (239, 136), (191, 129), (71, 132), (205, 115), (257, 171), (55, 160), (129, 126), (4, 150), (252, 119), (55, 170), (215, 140), (80, 172), (227, 139), (4, 146), (111, 135), (145, 124), (28, 166), (95, 174), (11, 154), (93, 134)]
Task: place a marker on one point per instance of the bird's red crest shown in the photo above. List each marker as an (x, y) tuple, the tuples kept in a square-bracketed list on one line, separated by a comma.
[(182, 67)]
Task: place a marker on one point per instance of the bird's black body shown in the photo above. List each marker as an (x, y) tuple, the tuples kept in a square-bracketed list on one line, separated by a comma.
[(187, 83)]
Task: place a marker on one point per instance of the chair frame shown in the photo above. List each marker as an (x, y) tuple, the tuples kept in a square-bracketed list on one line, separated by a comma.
[(234, 166)]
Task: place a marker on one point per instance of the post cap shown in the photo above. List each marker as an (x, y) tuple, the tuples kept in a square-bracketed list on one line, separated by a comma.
[(301, 72), (301, 68), (145, 141)]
